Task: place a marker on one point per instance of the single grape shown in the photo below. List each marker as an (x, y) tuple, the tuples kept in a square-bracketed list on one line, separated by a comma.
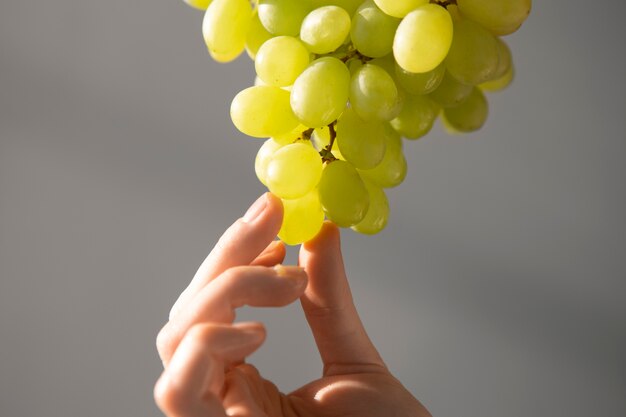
[(256, 36), (372, 30), (343, 194), (349, 6), (263, 158), (325, 29), (378, 213), (362, 143), (416, 118), (399, 8), (473, 56), (281, 60), (198, 4), (283, 17), (501, 83), (501, 17), (302, 219), (320, 93), (392, 170), (225, 25), (294, 170), (420, 83), (470, 115), (450, 92), (373, 93), (263, 111), (423, 38)]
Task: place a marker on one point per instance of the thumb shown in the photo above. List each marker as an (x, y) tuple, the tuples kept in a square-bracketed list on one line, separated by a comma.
[(327, 303)]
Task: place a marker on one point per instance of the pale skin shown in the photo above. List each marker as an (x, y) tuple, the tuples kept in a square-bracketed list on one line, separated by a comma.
[(204, 352)]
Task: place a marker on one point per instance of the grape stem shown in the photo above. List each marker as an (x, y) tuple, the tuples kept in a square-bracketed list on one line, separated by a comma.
[(326, 153), (354, 53), (443, 3)]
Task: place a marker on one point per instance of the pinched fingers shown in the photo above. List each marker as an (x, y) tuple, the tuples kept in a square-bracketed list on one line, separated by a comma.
[(191, 384), (256, 286)]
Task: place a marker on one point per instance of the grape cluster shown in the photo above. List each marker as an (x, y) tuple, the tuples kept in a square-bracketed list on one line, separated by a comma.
[(340, 82)]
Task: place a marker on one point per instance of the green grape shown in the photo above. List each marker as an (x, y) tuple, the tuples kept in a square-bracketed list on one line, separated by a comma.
[(399, 8), (343, 194), (263, 111), (469, 115), (294, 170), (420, 83), (473, 56), (349, 6), (325, 29), (198, 4), (362, 143), (302, 219), (373, 93), (290, 137), (388, 63), (500, 83), (378, 213), (505, 60), (281, 60), (450, 92), (392, 170), (320, 93), (283, 17), (423, 38), (372, 30), (416, 118), (263, 158), (501, 17), (225, 25), (256, 36)]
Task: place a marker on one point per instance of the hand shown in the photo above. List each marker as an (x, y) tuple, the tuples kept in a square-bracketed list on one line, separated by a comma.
[(203, 352)]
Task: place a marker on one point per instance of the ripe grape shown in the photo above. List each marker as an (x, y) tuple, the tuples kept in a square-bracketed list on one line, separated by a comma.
[(263, 111), (256, 36), (225, 25), (420, 83), (373, 93), (302, 219), (361, 142), (372, 30), (470, 115), (263, 158), (501, 17), (378, 212), (399, 8), (416, 118), (343, 194), (393, 168), (324, 29), (450, 92), (293, 170), (283, 17), (281, 60)]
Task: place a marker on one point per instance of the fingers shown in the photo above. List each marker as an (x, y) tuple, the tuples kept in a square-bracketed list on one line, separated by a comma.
[(272, 255), (190, 385), (255, 286), (241, 244), (329, 309)]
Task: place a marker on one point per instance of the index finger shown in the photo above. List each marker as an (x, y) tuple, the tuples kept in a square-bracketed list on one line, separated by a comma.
[(239, 245)]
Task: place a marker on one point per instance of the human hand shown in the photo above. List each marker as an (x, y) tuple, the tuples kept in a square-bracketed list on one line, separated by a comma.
[(203, 352)]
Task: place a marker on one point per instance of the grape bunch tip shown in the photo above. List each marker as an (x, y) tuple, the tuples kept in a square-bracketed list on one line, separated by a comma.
[(339, 84)]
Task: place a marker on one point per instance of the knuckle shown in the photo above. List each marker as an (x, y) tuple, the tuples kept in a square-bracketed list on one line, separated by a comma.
[(169, 397)]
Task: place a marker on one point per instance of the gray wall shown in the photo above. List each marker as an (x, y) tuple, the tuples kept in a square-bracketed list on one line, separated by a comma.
[(497, 290)]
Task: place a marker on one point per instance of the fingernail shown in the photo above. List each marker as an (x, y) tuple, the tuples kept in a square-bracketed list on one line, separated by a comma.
[(250, 333), (255, 209), (295, 273)]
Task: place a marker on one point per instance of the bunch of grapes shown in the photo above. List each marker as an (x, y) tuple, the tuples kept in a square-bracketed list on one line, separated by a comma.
[(340, 82)]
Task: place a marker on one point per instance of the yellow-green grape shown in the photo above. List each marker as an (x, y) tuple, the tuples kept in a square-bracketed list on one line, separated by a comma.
[(399, 8), (505, 60), (362, 143), (392, 170), (416, 118), (225, 25), (473, 56), (388, 63), (373, 93), (423, 38), (320, 93), (470, 115), (349, 6), (501, 83), (420, 83), (281, 60), (302, 219), (256, 36), (198, 4), (450, 92), (292, 136), (263, 111), (325, 29), (378, 213), (263, 158), (343, 194), (294, 170), (501, 17), (372, 30), (283, 17)]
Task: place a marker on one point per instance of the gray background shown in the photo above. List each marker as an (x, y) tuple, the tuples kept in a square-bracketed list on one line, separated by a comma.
[(497, 290)]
